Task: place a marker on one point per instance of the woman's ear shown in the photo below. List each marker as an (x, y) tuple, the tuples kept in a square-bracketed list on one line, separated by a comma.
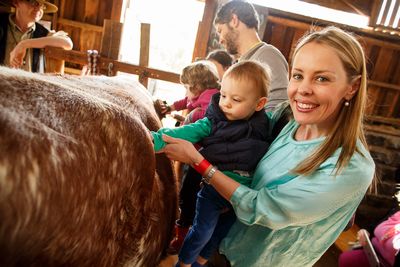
[(261, 103), (354, 86)]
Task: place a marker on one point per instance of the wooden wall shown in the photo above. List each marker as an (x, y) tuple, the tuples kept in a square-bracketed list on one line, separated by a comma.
[(83, 20)]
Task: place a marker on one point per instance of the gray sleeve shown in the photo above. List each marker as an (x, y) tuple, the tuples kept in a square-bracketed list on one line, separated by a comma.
[(279, 69)]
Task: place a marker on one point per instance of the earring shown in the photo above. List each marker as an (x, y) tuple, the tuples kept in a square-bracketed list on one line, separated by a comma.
[(346, 103)]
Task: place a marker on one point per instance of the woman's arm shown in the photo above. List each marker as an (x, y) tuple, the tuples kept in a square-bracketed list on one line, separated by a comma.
[(184, 151)]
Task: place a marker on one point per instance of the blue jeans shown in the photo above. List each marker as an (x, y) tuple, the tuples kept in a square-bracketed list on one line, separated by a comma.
[(210, 226)]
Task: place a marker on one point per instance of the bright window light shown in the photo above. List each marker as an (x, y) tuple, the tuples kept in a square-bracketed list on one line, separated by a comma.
[(379, 20), (316, 11), (173, 29), (396, 19)]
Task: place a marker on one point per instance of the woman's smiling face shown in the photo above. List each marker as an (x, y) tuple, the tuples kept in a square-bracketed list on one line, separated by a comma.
[(318, 86)]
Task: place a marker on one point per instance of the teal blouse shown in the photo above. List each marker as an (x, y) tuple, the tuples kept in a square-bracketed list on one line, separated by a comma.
[(291, 220)]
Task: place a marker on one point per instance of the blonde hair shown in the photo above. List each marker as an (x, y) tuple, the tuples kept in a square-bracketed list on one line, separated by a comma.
[(200, 75), (258, 74), (352, 57)]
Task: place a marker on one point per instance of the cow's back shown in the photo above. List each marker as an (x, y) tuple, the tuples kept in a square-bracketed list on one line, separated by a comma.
[(79, 182)]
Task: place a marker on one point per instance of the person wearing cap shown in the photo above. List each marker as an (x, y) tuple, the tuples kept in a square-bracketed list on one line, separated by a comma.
[(22, 38)]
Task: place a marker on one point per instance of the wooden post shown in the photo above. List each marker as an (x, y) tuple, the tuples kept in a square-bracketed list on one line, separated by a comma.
[(204, 29), (110, 41), (116, 10), (144, 52)]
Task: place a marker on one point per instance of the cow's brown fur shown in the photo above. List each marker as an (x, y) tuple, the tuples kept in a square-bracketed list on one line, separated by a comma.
[(79, 182)]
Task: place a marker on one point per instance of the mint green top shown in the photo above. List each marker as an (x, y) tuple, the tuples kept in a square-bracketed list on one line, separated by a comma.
[(193, 132), (291, 220)]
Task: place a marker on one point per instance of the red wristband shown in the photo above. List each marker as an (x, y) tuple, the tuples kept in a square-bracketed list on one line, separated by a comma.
[(202, 166)]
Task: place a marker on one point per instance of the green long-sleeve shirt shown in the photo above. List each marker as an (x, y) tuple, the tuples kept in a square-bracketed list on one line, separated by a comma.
[(194, 133)]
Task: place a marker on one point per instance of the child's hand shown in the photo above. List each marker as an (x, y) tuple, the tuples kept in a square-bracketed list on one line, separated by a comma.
[(178, 117), (161, 108), (362, 235)]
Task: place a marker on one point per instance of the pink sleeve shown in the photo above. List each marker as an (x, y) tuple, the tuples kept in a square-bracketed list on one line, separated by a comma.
[(181, 104), (197, 114)]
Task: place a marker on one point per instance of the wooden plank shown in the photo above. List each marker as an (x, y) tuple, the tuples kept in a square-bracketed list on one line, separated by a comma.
[(296, 36), (79, 11), (396, 7), (204, 29), (61, 8), (104, 11), (381, 74), (383, 129), (372, 102), (69, 7), (111, 39), (139, 70), (116, 10), (54, 18), (385, 12), (104, 63), (144, 51), (392, 98), (385, 85), (390, 121), (91, 11), (303, 22), (69, 56), (375, 13), (80, 25), (278, 36), (144, 44), (92, 40)]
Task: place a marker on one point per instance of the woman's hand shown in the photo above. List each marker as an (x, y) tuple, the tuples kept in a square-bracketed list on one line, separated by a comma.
[(180, 150)]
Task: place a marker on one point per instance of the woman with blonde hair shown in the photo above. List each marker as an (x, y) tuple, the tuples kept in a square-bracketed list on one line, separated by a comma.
[(316, 172)]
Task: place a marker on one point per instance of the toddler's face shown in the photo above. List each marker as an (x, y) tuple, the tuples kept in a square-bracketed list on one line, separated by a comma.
[(239, 99), (190, 95)]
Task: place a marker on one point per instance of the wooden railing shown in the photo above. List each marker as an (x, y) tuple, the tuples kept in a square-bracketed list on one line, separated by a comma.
[(110, 67)]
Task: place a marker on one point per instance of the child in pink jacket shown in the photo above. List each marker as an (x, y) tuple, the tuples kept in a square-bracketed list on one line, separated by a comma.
[(201, 82)]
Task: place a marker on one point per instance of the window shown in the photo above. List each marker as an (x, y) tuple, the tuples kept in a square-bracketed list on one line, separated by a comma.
[(173, 29), (316, 11), (388, 17)]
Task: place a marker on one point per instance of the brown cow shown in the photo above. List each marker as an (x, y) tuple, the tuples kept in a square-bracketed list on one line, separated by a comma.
[(79, 182)]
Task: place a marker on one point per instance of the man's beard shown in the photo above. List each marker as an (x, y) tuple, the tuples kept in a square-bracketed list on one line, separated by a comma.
[(231, 42)]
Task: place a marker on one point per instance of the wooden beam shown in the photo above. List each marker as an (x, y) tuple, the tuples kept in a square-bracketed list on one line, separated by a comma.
[(385, 85), (111, 39), (54, 18), (303, 22), (104, 64), (384, 120), (116, 10), (374, 12), (144, 51), (72, 56), (81, 25), (204, 29)]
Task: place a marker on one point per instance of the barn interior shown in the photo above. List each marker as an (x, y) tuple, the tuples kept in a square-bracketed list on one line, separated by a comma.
[(99, 31)]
